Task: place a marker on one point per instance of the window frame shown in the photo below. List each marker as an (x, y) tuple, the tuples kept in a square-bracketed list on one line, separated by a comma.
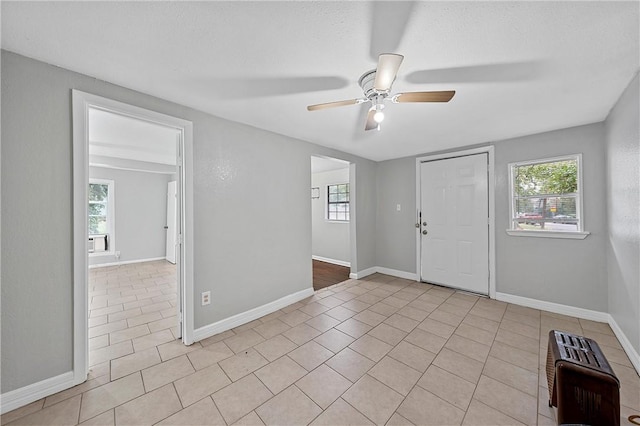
[(580, 233), (111, 228), (329, 203)]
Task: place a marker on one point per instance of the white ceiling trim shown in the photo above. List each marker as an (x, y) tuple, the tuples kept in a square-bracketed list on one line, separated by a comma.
[(130, 165)]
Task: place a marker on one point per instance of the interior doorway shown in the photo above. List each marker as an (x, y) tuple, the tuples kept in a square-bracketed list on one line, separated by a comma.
[(455, 220), (331, 214), (132, 166), (134, 275), (326, 274), (134, 290)]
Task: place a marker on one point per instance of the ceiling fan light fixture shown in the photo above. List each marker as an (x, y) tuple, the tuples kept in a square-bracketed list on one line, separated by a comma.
[(376, 87), (379, 115)]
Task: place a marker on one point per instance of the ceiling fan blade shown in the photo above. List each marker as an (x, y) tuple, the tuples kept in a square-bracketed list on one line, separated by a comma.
[(388, 65), (389, 20), (443, 96), (317, 107), (363, 111), (371, 123)]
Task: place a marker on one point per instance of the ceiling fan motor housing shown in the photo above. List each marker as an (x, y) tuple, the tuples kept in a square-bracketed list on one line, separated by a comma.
[(366, 82)]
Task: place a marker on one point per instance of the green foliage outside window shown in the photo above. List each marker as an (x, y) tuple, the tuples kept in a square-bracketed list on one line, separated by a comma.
[(560, 177), (98, 208), (546, 193)]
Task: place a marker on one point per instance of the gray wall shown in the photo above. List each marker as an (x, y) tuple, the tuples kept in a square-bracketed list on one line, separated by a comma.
[(245, 256), (623, 209), (364, 188), (570, 272), (396, 232), (37, 296), (329, 239), (140, 214)]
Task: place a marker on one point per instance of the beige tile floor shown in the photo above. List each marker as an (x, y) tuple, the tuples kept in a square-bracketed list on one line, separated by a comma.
[(380, 350)]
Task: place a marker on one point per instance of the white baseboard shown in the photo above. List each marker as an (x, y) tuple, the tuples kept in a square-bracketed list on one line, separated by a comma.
[(334, 261), (578, 313), (396, 273), (126, 262), (250, 315), (626, 344), (35, 391), (387, 271), (365, 273), (556, 308)]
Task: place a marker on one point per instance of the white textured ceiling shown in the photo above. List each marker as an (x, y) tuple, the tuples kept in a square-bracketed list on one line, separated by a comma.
[(518, 67), (114, 135), (324, 164)]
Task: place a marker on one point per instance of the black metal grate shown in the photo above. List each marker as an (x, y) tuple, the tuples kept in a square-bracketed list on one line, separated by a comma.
[(580, 350)]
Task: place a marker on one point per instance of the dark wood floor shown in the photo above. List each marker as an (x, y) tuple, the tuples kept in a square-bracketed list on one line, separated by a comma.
[(326, 274)]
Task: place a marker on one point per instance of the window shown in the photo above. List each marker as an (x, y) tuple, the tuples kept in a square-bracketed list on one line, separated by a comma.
[(338, 202), (100, 206), (546, 198)]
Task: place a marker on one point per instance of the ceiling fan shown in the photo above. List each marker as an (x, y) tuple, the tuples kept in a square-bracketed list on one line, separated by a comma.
[(376, 85)]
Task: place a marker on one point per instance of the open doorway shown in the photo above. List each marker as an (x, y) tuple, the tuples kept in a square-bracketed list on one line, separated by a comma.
[(132, 168), (330, 221), (132, 226), (132, 215)]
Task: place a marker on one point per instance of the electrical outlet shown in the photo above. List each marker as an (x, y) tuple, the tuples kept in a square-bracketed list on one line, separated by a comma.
[(117, 255), (398, 207), (206, 298)]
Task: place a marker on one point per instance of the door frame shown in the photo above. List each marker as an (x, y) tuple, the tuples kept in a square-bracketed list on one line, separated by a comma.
[(352, 212), (489, 150), (81, 102)]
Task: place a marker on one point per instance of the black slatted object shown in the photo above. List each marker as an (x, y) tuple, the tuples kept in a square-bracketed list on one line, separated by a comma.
[(582, 384)]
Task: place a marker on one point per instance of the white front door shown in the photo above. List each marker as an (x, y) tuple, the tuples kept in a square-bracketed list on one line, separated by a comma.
[(171, 221), (454, 223)]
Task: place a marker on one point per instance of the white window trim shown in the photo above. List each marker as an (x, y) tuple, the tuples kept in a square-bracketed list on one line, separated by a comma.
[(111, 217), (326, 203), (580, 234)]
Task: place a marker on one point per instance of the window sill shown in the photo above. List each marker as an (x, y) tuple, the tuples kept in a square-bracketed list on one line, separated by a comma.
[(548, 234), (336, 221)]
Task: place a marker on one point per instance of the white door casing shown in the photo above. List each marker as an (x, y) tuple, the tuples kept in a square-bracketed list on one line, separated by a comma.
[(171, 221), (454, 222), (81, 103), (179, 249)]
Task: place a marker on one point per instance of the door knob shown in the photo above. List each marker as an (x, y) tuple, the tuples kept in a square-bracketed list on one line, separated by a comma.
[(424, 232), (424, 223), (418, 225), (166, 227)]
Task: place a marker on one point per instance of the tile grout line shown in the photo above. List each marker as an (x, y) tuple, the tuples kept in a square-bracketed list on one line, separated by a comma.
[(430, 364)]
